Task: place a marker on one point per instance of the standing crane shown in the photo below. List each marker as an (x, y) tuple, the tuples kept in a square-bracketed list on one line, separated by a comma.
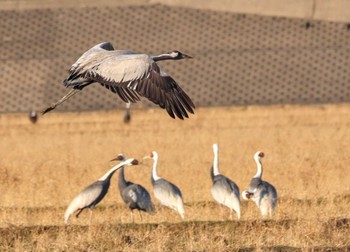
[(224, 190), (261, 192), (134, 196), (130, 75), (166, 193), (94, 193)]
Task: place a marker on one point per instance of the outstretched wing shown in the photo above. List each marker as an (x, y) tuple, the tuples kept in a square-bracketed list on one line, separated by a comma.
[(84, 62), (130, 75), (89, 55)]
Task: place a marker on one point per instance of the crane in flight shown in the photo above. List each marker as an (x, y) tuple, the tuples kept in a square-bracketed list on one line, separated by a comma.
[(130, 75)]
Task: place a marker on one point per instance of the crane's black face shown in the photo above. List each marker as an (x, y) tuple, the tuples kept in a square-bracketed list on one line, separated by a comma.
[(261, 154), (179, 55)]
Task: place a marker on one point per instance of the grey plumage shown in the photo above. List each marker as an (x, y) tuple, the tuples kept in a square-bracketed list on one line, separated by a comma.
[(134, 195), (223, 189), (130, 75), (166, 192), (94, 193), (261, 192)]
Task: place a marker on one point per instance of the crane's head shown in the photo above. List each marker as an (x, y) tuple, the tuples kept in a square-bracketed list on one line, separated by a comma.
[(120, 157), (153, 155), (246, 195), (177, 55), (259, 155), (131, 161)]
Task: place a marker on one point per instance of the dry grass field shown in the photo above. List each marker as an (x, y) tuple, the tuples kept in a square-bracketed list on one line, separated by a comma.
[(44, 165)]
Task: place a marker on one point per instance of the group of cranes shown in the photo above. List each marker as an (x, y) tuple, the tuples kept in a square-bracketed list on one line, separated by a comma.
[(224, 190), (134, 195), (261, 192), (131, 75), (94, 193)]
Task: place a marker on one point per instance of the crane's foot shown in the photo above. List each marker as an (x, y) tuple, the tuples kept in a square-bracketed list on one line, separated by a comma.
[(48, 109)]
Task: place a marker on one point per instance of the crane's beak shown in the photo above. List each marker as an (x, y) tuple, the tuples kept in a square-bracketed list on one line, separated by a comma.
[(186, 56), (146, 157), (118, 158)]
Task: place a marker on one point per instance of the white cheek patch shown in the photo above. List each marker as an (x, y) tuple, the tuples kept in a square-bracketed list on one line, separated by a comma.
[(174, 54)]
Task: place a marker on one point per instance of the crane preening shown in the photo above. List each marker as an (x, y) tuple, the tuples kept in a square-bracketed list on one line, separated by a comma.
[(134, 195), (166, 193), (224, 190), (94, 193), (261, 192), (130, 75)]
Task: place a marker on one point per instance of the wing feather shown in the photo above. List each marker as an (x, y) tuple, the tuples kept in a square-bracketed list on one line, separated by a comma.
[(89, 55), (137, 74)]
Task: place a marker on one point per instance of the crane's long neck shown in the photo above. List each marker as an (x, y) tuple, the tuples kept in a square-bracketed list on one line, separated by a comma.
[(154, 170), (110, 173), (164, 56), (216, 170), (122, 182), (258, 167)]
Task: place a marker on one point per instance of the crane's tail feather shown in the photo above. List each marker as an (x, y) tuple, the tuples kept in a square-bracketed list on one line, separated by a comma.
[(73, 206), (180, 208)]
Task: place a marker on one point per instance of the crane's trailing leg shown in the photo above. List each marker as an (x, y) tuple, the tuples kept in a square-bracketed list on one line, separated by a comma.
[(127, 115), (64, 98)]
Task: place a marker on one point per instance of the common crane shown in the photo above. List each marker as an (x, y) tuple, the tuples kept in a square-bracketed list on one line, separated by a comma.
[(94, 193), (261, 192), (130, 75), (166, 193), (224, 190)]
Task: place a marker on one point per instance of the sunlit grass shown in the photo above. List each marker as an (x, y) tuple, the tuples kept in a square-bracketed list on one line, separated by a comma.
[(43, 166)]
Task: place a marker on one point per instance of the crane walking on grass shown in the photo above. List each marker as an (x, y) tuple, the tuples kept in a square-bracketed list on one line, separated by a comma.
[(135, 196), (166, 193), (261, 192), (130, 75), (94, 193), (224, 190)]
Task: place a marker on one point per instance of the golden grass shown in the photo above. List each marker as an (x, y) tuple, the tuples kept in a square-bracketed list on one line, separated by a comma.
[(43, 166)]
